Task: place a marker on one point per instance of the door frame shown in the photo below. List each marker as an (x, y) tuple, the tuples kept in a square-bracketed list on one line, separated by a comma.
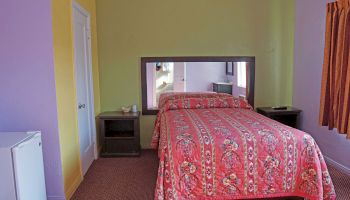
[(90, 87)]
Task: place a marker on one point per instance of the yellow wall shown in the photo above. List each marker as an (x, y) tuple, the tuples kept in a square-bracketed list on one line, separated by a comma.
[(65, 86), (128, 30)]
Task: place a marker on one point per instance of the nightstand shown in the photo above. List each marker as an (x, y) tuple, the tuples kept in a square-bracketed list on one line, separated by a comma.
[(119, 133), (288, 116), (222, 88)]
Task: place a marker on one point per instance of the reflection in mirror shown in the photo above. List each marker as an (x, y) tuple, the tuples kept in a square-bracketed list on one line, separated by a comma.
[(221, 77)]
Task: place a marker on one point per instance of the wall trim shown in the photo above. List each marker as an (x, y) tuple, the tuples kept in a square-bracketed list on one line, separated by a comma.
[(337, 165), (56, 198), (73, 187)]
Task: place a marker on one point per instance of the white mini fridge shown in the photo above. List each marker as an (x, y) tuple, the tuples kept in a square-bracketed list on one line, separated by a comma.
[(21, 166)]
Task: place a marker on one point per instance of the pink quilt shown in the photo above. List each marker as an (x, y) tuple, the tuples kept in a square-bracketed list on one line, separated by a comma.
[(216, 147)]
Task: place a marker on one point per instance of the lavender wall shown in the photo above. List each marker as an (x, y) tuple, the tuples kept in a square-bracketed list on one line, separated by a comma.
[(197, 81), (309, 45), (27, 84)]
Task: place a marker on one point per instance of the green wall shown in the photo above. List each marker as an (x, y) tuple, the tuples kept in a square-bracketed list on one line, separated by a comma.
[(130, 29)]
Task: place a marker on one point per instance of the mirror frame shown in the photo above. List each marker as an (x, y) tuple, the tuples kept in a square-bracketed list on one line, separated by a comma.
[(145, 60)]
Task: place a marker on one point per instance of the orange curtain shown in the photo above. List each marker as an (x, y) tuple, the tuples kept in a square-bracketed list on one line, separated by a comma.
[(335, 89)]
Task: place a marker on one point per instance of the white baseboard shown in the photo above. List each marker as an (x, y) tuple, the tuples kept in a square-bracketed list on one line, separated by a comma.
[(56, 198), (337, 165)]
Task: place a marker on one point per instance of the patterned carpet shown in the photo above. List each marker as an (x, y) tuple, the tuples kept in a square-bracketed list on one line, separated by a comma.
[(341, 183), (129, 178), (134, 178)]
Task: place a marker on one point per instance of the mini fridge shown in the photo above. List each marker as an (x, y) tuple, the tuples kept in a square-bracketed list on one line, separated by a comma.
[(21, 166)]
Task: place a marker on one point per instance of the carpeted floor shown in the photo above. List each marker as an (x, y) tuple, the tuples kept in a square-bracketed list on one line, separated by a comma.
[(134, 178), (129, 178), (341, 183)]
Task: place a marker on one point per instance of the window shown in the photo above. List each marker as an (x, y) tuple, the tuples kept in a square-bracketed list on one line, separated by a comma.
[(241, 74)]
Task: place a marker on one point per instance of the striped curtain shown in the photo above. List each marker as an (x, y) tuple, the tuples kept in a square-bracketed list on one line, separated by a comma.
[(335, 89)]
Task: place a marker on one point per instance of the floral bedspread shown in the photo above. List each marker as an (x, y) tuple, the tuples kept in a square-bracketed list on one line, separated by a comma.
[(218, 148)]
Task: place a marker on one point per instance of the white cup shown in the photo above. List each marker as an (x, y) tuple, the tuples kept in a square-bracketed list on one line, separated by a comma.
[(134, 108)]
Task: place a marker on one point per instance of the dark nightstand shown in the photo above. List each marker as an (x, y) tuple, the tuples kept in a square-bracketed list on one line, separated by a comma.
[(222, 88), (119, 133), (288, 116)]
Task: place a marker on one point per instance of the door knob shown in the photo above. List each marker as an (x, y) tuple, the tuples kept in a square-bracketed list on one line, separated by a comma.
[(80, 106)]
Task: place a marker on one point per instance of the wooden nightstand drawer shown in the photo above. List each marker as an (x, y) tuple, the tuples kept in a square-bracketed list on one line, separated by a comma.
[(120, 147), (288, 116)]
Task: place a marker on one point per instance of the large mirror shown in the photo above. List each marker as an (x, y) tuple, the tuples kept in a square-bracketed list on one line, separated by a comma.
[(232, 75)]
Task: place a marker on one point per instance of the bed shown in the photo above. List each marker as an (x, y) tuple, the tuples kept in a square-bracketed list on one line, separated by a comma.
[(214, 146)]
